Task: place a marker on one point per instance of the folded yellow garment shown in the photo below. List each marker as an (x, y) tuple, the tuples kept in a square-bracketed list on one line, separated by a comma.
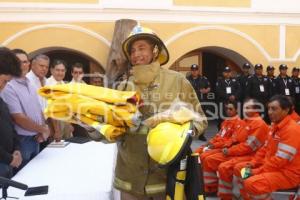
[(176, 114), (95, 92), (108, 111), (66, 105), (111, 133)]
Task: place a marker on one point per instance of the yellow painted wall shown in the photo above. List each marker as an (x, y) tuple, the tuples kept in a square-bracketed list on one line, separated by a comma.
[(214, 3), (60, 37), (292, 40), (51, 1), (266, 36), (215, 38)]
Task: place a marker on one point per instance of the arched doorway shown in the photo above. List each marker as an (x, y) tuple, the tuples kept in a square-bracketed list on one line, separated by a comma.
[(212, 60), (70, 56)]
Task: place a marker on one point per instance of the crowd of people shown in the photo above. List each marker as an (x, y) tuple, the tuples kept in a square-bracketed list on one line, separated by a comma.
[(246, 85), (265, 143), (25, 131)]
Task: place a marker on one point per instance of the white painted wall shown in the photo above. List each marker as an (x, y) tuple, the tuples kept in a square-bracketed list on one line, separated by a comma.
[(279, 6), (137, 4)]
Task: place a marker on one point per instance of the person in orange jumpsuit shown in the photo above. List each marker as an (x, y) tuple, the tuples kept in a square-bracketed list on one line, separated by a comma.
[(294, 115), (231, 132), (280, 168), (257, 134)]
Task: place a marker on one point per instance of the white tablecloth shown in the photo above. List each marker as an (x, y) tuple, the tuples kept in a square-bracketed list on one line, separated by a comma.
[(75, 172)]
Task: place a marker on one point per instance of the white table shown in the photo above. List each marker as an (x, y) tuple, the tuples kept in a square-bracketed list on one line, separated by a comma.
[(75, 172)]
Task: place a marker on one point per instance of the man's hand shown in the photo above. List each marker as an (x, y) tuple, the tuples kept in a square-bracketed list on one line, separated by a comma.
[(39, 138), (17, 159), (225, 151), (57, 136), (210, 146), (45, 132), (246, 172)]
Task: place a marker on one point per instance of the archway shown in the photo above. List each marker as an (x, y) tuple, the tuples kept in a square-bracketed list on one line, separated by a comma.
[(217, 36), (67, 36), (212, 60), (70, 56)]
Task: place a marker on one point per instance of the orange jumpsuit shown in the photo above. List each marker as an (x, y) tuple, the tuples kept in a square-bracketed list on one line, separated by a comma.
[(295, 117), (231, 132), (281, 165), (257, 133), (255, 162), (226, 169)]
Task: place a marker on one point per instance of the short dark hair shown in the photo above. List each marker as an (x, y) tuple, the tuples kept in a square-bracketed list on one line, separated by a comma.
[(9, 63), (77, 65), (19, 51), (284, 102), (232, 102), (255, 101), (58, 62)]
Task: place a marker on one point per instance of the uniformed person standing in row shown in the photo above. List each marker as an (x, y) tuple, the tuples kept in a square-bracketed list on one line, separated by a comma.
[(259, 86), (271, 77), (296, 82), (242, 79), (199, 82), (270, 72), (202, 87), (283, 84), (227, 88)]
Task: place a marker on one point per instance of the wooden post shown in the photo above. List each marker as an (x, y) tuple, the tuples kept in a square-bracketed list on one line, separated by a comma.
[(117, 64)]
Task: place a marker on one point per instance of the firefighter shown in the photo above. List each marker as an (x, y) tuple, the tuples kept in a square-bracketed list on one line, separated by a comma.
[(280, 168), (136, 175), (231, 132), (257, 133)]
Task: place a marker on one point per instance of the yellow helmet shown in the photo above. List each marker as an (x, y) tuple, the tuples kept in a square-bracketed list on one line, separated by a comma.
[(168, 142), (139, 32)]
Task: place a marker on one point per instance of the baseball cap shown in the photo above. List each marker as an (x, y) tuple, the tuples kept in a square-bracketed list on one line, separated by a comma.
[(258, 66), (270, 67), (194, 67), (246, 66), (283, 66), (227, 69)]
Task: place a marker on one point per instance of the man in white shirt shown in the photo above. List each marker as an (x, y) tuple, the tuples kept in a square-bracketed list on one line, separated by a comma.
[(60, 129), (37, 74), (77, 73)]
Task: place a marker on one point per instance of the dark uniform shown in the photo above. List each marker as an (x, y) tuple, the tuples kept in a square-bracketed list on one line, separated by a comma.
[(296, 83), (201, 82), (227, 88), (284, 86), (242, 79), (259, 86), (224, 89), (271, 79)]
